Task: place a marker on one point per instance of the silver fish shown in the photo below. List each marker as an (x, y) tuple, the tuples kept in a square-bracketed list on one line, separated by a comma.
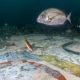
[(53, 16)]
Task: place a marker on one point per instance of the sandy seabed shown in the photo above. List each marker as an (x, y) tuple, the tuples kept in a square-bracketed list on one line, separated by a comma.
[(42, 45)]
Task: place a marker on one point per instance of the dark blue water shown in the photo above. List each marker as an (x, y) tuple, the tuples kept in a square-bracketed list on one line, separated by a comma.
[(25, 12)]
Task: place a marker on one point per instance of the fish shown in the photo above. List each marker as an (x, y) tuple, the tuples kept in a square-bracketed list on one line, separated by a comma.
[(53, 16), (28, 45)]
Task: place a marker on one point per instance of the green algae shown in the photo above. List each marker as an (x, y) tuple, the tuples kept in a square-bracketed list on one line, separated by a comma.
[(65, 65)]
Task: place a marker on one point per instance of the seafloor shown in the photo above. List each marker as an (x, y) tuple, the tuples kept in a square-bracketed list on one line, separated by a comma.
[(48, 51)]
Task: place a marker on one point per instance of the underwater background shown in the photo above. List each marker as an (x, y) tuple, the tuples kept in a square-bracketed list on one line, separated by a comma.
[(23, 38), (22, 14)]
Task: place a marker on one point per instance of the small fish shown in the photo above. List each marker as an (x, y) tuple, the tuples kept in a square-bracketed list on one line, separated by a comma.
[(31, 47), (28, 45), (53, 16)]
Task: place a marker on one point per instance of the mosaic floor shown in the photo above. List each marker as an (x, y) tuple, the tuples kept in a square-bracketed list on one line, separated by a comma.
[(47, 54)]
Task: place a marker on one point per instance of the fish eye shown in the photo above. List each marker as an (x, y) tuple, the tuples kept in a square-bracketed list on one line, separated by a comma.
[(50, 18)]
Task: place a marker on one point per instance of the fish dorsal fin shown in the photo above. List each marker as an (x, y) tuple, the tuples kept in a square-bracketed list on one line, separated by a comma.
[(68, 17)]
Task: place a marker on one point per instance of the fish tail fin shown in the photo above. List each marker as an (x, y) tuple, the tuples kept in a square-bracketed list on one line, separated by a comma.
[(68, 17)]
